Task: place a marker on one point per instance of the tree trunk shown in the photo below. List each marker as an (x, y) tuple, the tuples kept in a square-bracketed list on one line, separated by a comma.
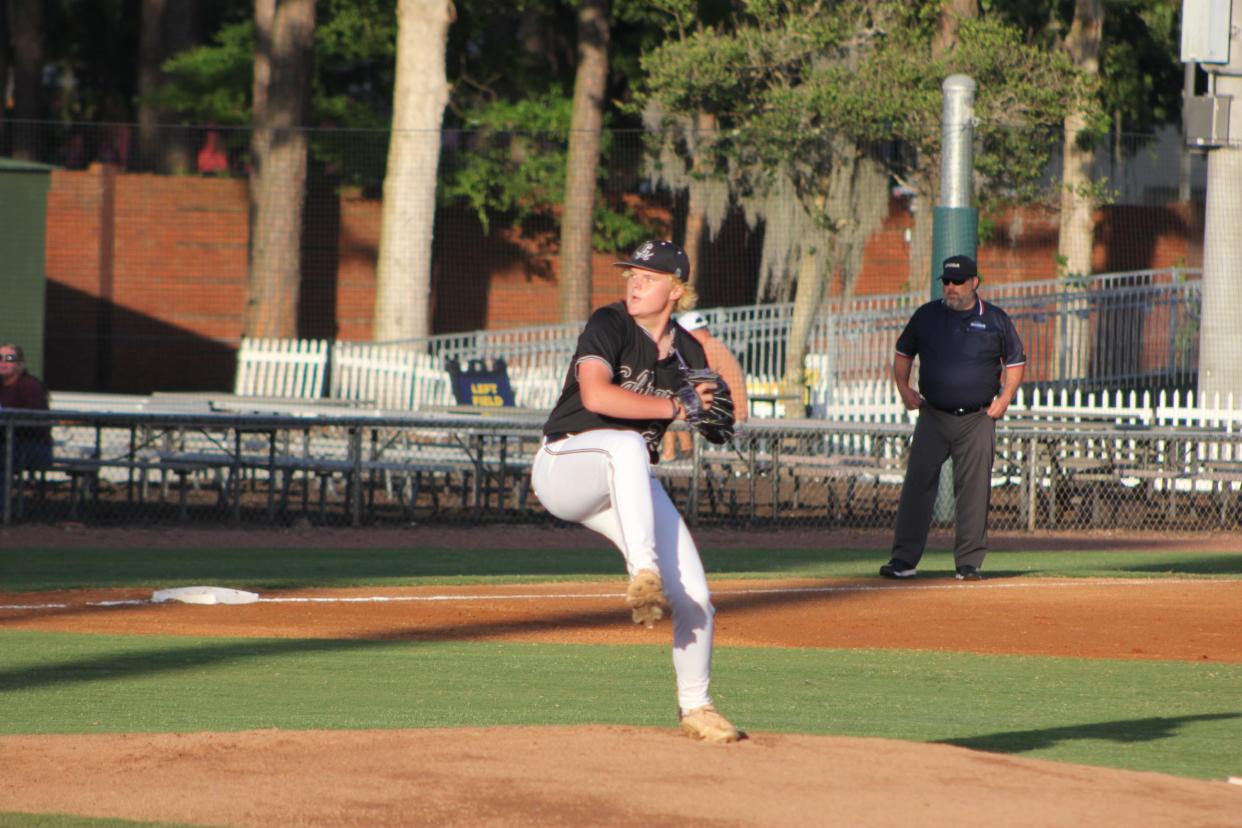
[(403, 274), (26, 27), (919, 258), (586, 125), (1077, 207), (696, 213), (285, 31), (150, 56), (807, 299), (952, 13), (168, 27), (1220, 335)]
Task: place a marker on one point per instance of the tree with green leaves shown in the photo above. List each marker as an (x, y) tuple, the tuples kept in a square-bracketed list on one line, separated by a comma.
[(1128, 49), (824, 102), (532, 116)]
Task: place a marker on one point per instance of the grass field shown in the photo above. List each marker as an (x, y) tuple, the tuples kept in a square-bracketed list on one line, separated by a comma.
[(49, 569), (1175, 717)]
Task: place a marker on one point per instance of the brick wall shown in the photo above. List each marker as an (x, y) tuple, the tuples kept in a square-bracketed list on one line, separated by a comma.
[(147, 274)]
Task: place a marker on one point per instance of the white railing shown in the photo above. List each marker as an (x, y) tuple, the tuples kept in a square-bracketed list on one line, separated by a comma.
[(1141, 326)]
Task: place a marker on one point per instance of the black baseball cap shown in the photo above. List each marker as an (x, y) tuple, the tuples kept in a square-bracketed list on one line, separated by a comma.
[(958, 269), (660, 256)]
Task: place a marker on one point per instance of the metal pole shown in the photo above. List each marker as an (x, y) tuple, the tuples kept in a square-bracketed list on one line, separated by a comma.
[(957, 141), (955, 224), (8, 471), (1220, 335)]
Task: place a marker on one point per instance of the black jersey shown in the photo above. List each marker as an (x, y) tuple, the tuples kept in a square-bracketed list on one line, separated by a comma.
[(612, 336)]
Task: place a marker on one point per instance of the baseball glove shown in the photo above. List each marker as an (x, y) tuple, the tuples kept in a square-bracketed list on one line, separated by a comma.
[(715, 423)]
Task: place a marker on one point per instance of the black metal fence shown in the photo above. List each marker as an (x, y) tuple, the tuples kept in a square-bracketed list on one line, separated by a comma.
[(244, 467)]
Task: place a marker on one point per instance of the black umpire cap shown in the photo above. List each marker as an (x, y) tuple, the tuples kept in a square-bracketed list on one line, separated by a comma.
[(660, 256), (958, 269)]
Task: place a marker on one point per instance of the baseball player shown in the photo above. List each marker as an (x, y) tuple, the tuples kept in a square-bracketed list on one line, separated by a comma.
[(603, 435)]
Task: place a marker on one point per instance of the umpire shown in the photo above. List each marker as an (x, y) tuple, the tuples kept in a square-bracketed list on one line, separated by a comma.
[(971, 363)]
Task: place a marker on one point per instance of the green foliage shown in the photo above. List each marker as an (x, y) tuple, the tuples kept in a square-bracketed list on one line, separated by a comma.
[(797, 86), (513, 164), (355, 42), (512, 168), (355, 62), (1140, 66), (1140, 62), (616, 229), (212, 84), (351, 85)]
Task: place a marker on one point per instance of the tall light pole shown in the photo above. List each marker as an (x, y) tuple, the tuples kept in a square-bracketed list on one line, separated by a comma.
[(1212, 37)]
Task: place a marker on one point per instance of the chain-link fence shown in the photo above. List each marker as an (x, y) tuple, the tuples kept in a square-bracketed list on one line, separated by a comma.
[(1052, 471), (145, 283)]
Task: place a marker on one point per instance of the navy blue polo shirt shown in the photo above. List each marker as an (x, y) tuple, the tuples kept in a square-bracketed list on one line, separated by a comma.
[(961, 352)]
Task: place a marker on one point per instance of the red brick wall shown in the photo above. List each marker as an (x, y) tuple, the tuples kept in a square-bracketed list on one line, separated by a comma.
[(160, 264), (147, 274)]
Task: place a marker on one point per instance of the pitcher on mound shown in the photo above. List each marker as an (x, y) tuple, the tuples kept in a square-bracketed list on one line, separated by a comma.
[(604, 434)]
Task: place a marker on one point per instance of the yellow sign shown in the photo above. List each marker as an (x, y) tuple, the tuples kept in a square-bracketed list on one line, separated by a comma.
[(486, 393)]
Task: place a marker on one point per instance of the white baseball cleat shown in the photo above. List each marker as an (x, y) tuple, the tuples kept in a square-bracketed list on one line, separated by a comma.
[(706, 723)]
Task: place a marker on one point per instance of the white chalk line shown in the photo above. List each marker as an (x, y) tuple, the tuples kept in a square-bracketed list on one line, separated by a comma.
[(612, 596)]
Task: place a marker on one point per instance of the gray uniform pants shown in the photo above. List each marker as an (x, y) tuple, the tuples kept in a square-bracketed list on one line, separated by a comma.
[(971, 441)]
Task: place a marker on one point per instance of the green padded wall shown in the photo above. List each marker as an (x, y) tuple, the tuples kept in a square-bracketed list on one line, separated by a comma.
[(23, 221)]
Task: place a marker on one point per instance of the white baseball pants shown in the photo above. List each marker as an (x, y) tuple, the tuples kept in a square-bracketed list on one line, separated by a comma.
[(602, 479)]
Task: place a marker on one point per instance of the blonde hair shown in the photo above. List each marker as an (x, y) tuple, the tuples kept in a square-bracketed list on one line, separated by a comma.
[(688, 299)]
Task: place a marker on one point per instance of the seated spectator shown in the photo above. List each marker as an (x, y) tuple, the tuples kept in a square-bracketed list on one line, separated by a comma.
[(213, 159), (32, 445)]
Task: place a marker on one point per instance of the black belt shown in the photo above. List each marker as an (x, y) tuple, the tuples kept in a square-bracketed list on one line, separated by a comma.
[(958, 412)]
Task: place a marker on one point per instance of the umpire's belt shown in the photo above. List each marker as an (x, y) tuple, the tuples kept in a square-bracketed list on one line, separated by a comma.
[(958, 412)]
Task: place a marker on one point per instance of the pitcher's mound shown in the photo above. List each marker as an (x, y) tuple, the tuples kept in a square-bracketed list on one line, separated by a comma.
[(597, 775)]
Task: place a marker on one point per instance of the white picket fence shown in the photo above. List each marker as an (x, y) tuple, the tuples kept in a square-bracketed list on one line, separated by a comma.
[(388, 377), (406, 378), (878, 402), (289, 368)]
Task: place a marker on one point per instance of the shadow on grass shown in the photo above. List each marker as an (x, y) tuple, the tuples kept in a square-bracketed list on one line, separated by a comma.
[(294, 568), (1205, 565), (1121, 731), (168, 657), (1077, 563)]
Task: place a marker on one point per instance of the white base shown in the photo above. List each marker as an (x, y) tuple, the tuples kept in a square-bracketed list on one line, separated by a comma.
[(205, 595)]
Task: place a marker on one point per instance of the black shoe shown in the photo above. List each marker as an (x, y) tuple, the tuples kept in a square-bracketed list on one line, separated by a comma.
[(897, 568), (969, 573)]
